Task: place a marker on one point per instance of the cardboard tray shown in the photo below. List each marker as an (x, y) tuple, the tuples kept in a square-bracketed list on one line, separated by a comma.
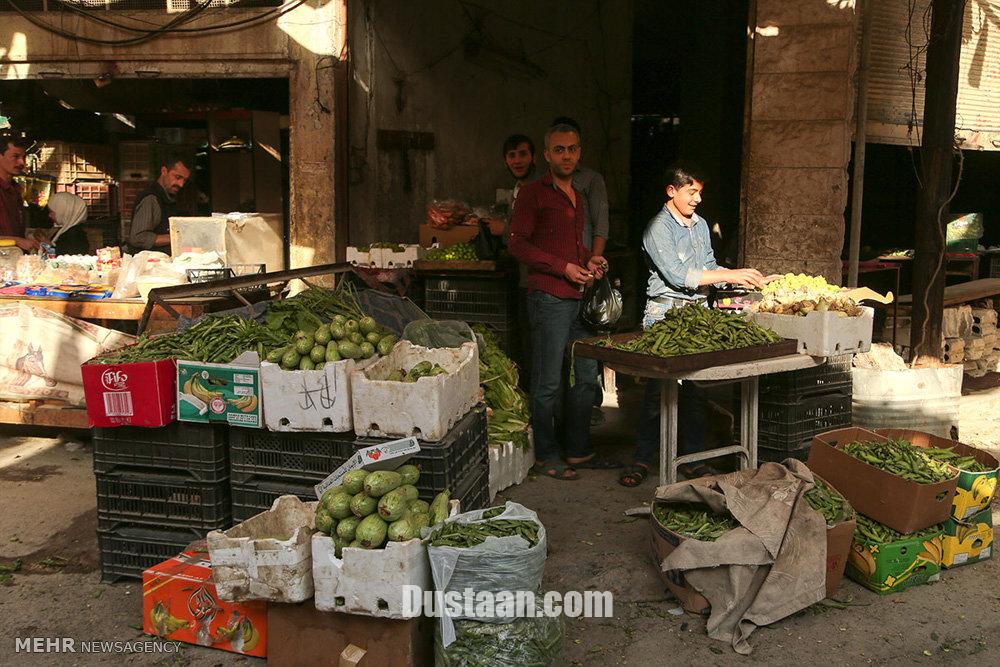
[(648, 365), (902, 505), (838, 547)]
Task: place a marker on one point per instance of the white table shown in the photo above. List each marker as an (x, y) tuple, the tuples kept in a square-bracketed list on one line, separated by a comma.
[(746, 373)]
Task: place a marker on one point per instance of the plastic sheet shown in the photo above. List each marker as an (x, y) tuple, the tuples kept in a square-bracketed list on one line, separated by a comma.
[(438, 333), (526, 641)]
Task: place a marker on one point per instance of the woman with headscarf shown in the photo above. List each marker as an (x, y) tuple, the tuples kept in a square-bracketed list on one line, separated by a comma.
[(68, 213)]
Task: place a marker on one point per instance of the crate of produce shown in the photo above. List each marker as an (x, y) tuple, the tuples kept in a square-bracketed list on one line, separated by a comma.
[(198, 450), (823, 334), (128, 549), (792, 425), (162, 499), (835, 374), (427, 408), (316, 400), (471, 299), (967, 542), (890, 562)]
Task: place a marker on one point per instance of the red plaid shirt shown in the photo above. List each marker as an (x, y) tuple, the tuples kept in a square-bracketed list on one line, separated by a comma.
[(546, 234), (11, 209)]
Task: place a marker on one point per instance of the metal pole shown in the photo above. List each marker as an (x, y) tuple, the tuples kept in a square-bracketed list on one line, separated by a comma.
[(861, 117)]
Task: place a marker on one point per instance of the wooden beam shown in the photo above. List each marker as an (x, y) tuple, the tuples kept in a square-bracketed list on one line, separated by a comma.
[(861, 118), (936, 155)]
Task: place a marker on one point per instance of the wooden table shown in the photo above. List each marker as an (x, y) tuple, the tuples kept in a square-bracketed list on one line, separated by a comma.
[(39, 413), (956, 295), (105, 310)]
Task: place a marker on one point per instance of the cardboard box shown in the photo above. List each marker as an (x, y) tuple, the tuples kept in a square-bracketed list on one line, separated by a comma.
[(213, 392), (975, 490), (838, 547), (383, 456), (900, 504), (302, 636), (889, 567), (268, 556), (309, 400), (180, 603), (966, 542), (445, 238), (141, 394), (662, 543)]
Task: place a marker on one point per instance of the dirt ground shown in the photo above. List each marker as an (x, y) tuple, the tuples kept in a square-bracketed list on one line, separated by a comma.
[(48, 521)]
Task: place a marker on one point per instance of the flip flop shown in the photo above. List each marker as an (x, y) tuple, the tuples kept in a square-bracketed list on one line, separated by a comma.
[(597, 462), (636, 473), (555, 470)]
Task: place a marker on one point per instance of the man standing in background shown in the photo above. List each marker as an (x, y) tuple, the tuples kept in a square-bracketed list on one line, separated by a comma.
[(156, 204), (13, 152)]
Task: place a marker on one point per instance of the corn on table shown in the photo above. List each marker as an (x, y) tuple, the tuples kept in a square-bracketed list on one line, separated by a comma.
[(747, 374)]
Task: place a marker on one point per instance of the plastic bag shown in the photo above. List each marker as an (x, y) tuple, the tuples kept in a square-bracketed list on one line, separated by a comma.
[(132, 268), (526, 641), (446, 213), (487, 245), (438, 333), (500, 564), (602, 305)]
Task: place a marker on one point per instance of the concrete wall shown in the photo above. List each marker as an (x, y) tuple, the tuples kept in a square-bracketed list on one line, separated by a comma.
[(798, 139), (302, 45), (410, 73)]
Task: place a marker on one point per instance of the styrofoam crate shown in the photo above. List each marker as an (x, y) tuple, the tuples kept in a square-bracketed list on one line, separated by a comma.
[(824, 334), (309, 400), (427, 408), (387, 258), (268, 556), (509, 465), (360, 258), (369, 582)]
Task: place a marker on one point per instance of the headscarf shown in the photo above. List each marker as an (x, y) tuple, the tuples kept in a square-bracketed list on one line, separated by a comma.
[(69, 209)]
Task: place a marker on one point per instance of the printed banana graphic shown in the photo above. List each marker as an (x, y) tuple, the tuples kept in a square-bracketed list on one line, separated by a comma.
[(163, 622), (198, 390), (187, 387), (244, 404)]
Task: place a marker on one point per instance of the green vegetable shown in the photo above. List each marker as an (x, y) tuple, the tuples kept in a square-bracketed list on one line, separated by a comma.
[(332, 353), (372, 531), (367, 350), (869, 530), (419, 507), (339, 505), (381, 482), (900, 458), (324, 522), (392, 505), (694, 521), (409, 491), (354, 481), (351, 326), (401, 530), (465, 535), (386, 343), (304, 345), (373, 337), (356, 338), (337, 331), (349, 350), (439, 507), (347, 528), (458, 252), (493, 512), (362, 505), (275, 355), (951, 457), (318, 354), (499, 379), (320, 366), (410, 473), (338, 544), (306, 364), (367, 325), (420, 520), (833, 506), (290, 360), (355, 544), (322, 335)]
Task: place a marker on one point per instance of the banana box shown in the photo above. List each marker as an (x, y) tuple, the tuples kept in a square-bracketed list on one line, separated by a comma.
[(179, 602), (967, 542), (888, 567), (228, 393)]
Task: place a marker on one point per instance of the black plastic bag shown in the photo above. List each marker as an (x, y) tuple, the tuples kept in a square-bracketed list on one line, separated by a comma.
[(602, 305), (487, 246)]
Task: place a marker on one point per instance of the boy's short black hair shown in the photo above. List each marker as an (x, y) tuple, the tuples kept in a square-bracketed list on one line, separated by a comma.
[(515, 140), (681, 175), (8, 139)]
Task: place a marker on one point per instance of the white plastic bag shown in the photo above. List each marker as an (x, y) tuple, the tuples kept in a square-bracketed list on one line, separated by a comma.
[(134, 266)]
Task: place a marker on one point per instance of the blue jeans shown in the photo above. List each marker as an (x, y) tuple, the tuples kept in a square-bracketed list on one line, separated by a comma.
[(555, 323)]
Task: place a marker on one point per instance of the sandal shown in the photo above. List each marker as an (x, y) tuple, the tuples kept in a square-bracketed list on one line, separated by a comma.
[(633, 476), (597, 462), (557, 470)]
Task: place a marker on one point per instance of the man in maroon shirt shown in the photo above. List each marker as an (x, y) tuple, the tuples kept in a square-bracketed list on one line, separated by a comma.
[(12, 159), (546, 234)]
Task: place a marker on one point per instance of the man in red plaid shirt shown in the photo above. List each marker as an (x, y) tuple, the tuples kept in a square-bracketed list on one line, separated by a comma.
[(546, 234)]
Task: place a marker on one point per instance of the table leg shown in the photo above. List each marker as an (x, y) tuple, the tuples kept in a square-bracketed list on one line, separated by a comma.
[(748, 422), (668, 432)]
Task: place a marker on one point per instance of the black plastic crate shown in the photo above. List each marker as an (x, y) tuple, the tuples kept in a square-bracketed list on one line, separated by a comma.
[(308, 458), (128, 549), (791, 385), (777, 455), (162, 499), (788, 426), (198, 450), (475, 494), (471, 299)]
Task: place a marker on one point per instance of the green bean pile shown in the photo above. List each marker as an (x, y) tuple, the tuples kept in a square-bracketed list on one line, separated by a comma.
[(902, 459), (213, 339), (493, 512), (951, 457), (694, 521), (833, 506), (693, 329), (465, 535), (869, 530)]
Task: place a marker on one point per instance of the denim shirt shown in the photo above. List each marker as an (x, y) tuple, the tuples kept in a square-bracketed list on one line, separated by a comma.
[(677, 255)]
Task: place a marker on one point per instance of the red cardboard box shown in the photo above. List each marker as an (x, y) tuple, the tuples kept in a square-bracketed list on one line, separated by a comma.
[(140, 394), (179, 602), (900, 504)]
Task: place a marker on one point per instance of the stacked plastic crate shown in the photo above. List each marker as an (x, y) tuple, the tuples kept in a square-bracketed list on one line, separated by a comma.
[(489, 300), (797, 405), (267, 464), (158, 490)]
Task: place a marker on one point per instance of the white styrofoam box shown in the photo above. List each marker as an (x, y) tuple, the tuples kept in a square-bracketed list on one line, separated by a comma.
[(509, 465), (427, 408), (309, 400), (360, 258), (268, 556), (388, 258), (823, 334), (370, 582)]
